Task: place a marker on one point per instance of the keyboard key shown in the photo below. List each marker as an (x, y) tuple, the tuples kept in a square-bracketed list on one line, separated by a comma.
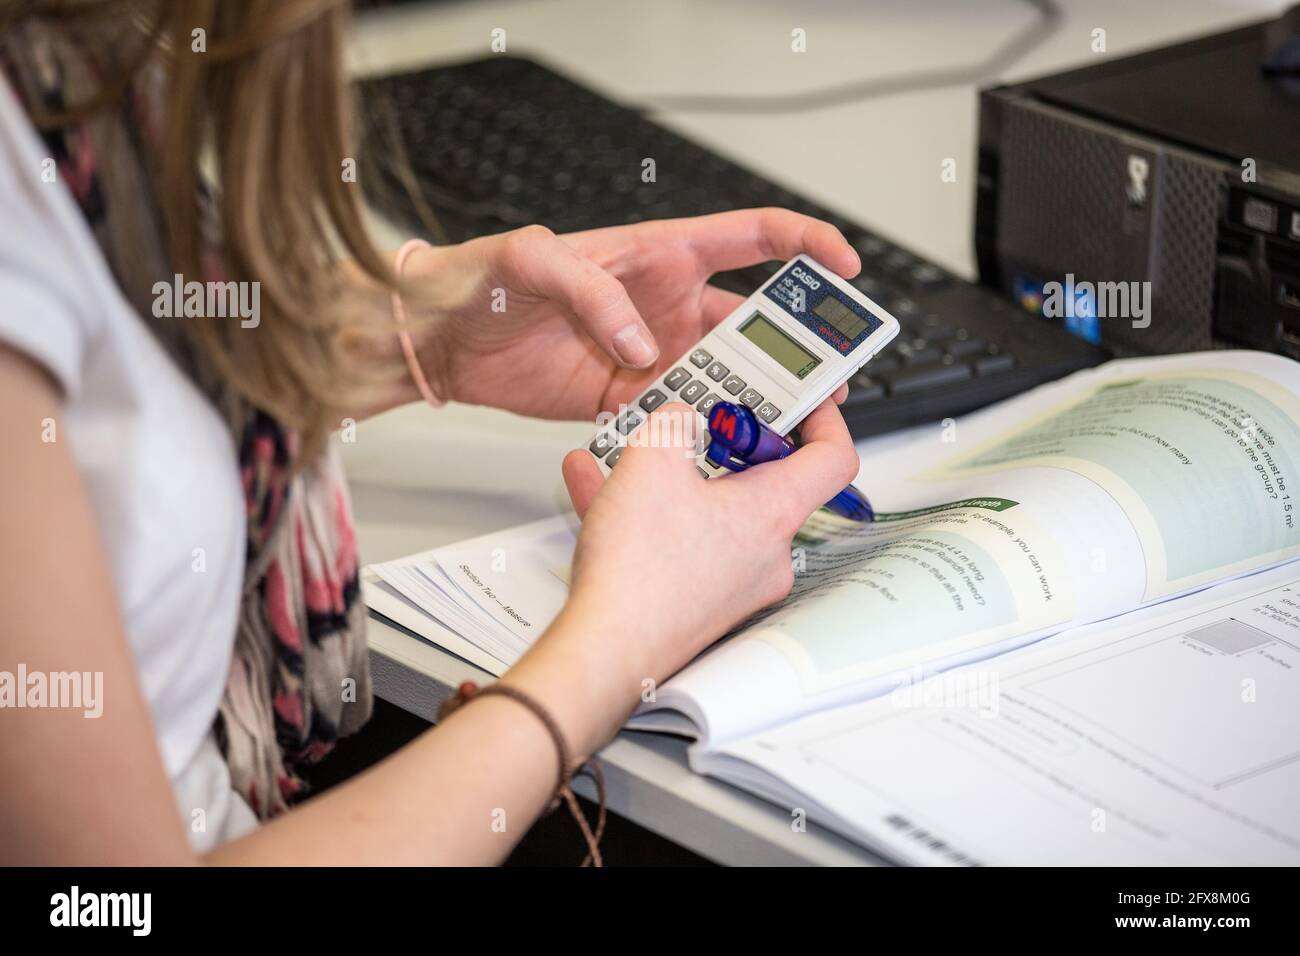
[(614, 456), (693, 391), (707, 402), (964, 347), (602, 444), (700, 358), (863, 389), (871, 246), (918, 379), (928, 276), (920, 353), (992, 364), (677, 378), (886, 362), (734, 384), (898, 260), (750, 398), (717, 371), (768, 412), (628, 421), (652, 399)]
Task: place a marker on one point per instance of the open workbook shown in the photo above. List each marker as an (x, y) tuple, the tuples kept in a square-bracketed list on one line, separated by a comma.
[(1137, 485)]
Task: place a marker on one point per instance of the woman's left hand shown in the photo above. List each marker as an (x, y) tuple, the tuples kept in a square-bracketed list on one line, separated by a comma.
[(568, 326)]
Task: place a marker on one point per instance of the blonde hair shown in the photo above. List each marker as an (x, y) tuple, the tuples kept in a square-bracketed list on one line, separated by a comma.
[(263, 107)]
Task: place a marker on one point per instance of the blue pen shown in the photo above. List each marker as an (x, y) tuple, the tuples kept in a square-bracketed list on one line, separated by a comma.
[(737, 439)]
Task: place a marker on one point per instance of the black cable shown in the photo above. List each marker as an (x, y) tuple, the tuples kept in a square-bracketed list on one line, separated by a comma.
[(1018, 46)]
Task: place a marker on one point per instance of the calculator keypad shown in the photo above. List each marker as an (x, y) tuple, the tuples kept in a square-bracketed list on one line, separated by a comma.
[(734, 384), (602, 444), (707, 402), (677, 378), (694, 391), (678, 383)]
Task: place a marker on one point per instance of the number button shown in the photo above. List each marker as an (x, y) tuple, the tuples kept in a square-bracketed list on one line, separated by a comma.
[(750, 397), (768, 412), (603, 443), (700, 358), (652, 399), (734, 384), (614, 456), (717, 371), (707, 402), (677, 378), (693, 391), (628, 421)]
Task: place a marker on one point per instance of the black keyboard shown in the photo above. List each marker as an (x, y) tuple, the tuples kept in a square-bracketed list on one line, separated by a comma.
[(498, 143)]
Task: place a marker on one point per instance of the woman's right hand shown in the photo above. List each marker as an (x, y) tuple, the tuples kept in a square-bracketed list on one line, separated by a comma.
[(668, 562)]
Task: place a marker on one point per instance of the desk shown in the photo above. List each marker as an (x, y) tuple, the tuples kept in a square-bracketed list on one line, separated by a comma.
[(420, 480)]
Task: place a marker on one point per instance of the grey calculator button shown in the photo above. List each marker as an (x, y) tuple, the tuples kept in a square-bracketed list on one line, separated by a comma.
[(628, 421), (693, 391), (750, 397), (703, 473), (602, 444), (717, 371), (700, 358), (677, 378), (734, 384), (768, 412), (614, 456), (652, 399), (707, 402)]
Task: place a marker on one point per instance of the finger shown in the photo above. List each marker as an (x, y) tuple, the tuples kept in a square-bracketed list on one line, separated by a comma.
[(818, 470), (545, 265), (672, 433), (583, 479), (716, 304), (841, 394), (746, 237)]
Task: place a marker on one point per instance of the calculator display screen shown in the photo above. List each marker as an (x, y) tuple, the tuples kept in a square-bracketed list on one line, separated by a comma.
[(841, 318), (788, 353)]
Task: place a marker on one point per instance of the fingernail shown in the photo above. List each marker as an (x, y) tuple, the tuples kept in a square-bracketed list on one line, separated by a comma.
[(634, 346)]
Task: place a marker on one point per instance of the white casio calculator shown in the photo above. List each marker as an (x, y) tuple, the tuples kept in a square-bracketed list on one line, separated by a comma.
[(781, 353)]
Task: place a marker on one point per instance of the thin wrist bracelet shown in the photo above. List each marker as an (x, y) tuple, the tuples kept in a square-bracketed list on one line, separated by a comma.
[(468, 691), (404, 329)]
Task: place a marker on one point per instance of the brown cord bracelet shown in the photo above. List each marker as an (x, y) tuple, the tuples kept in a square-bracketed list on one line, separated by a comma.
[(468, 691)]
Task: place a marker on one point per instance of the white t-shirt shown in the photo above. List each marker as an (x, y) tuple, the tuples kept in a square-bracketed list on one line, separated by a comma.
[(158, 464)]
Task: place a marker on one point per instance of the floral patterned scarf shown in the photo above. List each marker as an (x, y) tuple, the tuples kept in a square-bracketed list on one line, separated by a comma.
[(299, 678)]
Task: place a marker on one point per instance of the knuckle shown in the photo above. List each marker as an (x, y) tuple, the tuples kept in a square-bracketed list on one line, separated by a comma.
[(522, 243)]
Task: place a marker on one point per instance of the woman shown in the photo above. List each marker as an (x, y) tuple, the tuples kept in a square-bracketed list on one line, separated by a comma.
[(173, 519)]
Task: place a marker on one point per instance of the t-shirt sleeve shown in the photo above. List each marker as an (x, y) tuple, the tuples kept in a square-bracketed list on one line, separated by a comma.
[(47, 256)]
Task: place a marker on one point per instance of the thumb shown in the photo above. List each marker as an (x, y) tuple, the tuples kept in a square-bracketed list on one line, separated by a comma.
[(583, 478), (547, 266)]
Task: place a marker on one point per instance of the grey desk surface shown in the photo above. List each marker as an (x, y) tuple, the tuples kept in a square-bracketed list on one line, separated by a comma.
[(421, 479)]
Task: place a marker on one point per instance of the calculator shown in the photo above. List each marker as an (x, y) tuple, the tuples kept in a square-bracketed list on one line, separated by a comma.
[(782, 352)]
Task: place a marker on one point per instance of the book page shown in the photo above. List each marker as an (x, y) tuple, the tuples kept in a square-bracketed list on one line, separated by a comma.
[(1167, 736), (1203, 462)]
